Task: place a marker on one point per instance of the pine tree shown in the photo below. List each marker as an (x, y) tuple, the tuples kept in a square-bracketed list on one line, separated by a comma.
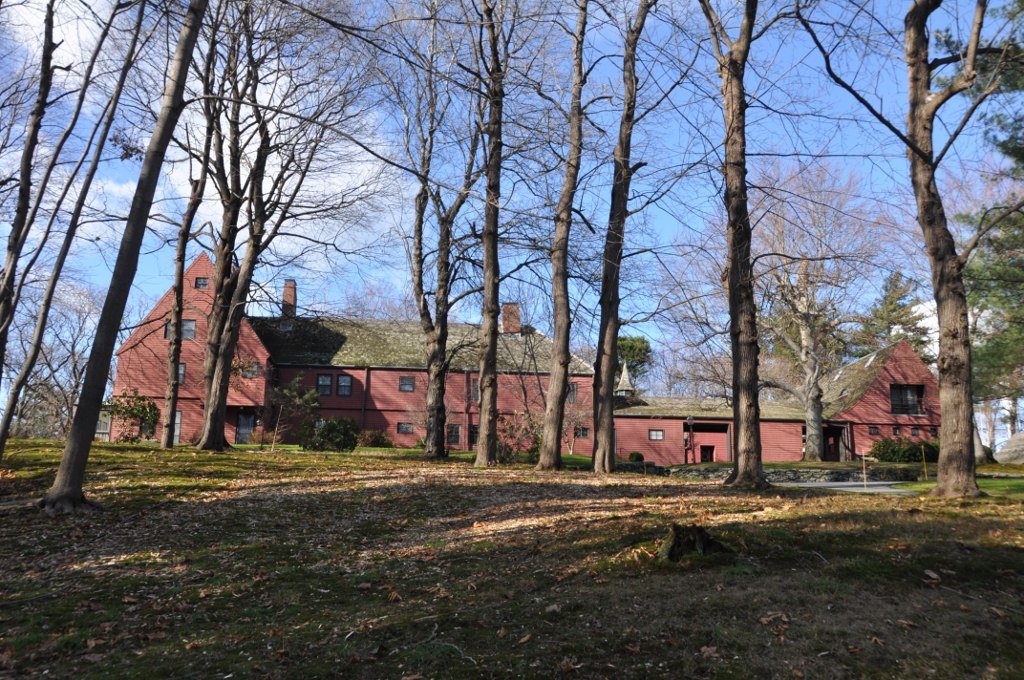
[(894, 316)]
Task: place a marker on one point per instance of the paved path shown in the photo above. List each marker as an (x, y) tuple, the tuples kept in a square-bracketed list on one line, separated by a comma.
[(858, 487)]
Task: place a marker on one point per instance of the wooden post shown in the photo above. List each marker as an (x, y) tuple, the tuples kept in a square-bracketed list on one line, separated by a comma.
[(924, 463)]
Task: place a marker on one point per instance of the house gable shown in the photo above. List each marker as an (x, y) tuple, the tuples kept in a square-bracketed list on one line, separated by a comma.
[(897, 365)]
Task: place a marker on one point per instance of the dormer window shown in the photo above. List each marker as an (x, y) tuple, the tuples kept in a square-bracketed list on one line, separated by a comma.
[(202, 282), (907, 400)]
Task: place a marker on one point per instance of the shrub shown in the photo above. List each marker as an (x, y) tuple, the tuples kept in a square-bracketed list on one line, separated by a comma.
[(903, 450), (518, 439), (134, 416), (332, 434), (636, 457), (374, 439)]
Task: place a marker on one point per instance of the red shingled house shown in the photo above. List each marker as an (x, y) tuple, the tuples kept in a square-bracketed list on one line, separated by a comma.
[(373, 372), (891, 393), (370, 371)]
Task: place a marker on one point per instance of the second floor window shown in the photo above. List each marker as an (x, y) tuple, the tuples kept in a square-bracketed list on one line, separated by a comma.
[(344, 386), (181, 373), (202, 282), (188, 329), (323, 385), (570, 393), (655, 435), (406, 383), (474, 391), (907, 399), (250, 369)]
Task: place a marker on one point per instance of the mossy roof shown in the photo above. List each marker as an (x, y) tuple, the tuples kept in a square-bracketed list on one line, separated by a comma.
[(719, 409), (335, 341), (843, 388), (848, 384)]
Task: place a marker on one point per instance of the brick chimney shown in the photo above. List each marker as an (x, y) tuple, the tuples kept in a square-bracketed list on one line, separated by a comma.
[(510, 322), (288, 301)]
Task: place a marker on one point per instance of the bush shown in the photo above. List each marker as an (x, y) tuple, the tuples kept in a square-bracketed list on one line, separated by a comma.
[(636, 457), (518, 439), (374, 439), (332, 434), (903, 450)]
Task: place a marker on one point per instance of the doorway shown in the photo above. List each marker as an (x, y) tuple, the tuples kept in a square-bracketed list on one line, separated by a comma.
[(246, 423), (707, 454)]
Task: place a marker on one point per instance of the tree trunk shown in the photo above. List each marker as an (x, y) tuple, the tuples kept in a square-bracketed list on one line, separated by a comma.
[(618, 212), (1012, 416), (174, 330), (956, 439), (558, 380), (436, 442), (739, 273), (487, 444), (814, 447), (66, 495)]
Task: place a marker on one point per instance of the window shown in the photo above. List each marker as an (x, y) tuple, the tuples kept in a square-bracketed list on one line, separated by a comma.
[(177, 427), (407, 383), (250, 369), (874, 430), (323, 384), (655, 435), (181, 373), (344, 386), (103, 427), (934, 431), (474, 391), (406, 428), (581, 432), (454, 434), (188, 329), (202, 282), (896, 430), (570, 394), (474, 434), (907, 399), (915, 432)]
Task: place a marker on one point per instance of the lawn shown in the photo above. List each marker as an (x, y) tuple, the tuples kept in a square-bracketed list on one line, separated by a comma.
[(378, 564)]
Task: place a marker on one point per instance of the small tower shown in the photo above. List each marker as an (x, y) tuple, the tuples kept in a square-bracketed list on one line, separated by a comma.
[(625, 387)]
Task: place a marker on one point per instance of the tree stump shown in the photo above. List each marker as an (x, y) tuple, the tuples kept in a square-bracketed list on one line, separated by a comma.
[(683, 540)]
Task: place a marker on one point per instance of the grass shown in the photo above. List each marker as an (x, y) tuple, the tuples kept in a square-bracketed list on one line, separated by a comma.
[(379, 564), (1004, 488)]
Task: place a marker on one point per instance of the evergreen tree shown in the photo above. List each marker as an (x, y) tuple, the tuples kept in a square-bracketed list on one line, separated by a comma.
[(894, 316), (635, 351)]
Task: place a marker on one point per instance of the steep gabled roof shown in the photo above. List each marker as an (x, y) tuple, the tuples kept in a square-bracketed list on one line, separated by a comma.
[(334, 341), (848, 384)]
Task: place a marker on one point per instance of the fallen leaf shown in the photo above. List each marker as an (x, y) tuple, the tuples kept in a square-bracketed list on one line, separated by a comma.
[(364, 586), (709, 652), (633, 648), (553, 609), (526, 638), (997, 611), (502, 632), (878, 641)]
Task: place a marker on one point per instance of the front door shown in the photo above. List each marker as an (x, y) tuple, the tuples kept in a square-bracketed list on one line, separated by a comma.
[(246, 423)]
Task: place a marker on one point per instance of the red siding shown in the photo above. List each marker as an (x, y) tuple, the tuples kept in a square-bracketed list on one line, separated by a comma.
[(780, 441), (904, 367), (142, 359)]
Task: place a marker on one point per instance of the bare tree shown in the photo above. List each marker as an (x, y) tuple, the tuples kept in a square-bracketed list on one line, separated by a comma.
[(66, 495), (94, 152), (441, 124), (929, 90), (558, 382), (276, 117), (818, 243), (618, 213), (732, 55)]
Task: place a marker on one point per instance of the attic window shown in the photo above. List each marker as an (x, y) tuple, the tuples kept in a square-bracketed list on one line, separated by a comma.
[(202, 282), (188, 329), (406, 383), (907, 400)]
